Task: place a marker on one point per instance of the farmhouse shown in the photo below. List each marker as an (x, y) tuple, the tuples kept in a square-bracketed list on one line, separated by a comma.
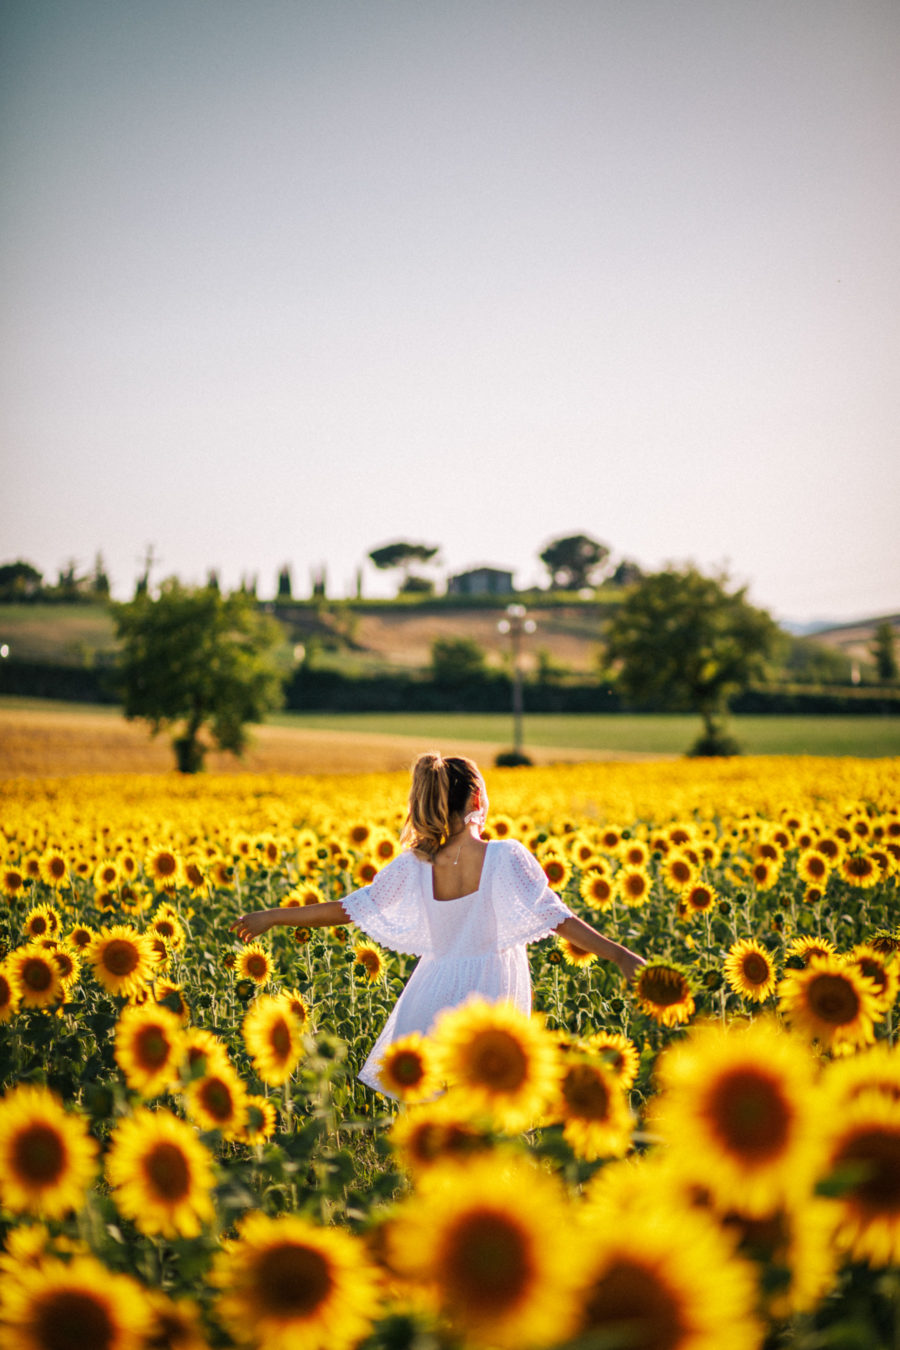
[(481, 581)]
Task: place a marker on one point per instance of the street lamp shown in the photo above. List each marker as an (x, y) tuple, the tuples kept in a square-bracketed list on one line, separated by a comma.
[(515, 624)]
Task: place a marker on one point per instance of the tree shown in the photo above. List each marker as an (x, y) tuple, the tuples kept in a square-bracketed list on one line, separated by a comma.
[(686, 640), (19, 580), (574, 561), (455, 660), (285, 588), (403, 554), (626, 574), (99, 581), (191, 659), (884, 653)]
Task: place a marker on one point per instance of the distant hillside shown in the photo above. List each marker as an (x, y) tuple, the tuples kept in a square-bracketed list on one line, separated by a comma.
[(378, 637), (401, 637), (855, 639)]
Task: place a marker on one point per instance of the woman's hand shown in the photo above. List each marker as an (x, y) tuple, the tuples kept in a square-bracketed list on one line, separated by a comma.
[(251, 925), (629, 963)]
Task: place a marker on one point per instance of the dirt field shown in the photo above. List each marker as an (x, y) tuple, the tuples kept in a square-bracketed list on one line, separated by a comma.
[(47, 742)]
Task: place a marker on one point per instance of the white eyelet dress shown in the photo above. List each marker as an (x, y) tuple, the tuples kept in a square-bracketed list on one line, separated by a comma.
[(475, 945)]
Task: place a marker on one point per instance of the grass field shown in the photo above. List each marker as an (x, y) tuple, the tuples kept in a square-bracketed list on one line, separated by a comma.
[(39, 737), (649, 734)]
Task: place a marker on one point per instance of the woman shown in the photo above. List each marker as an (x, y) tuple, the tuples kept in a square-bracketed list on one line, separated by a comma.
[(466, 907)]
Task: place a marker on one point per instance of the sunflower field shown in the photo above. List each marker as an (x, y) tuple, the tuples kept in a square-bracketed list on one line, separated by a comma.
[(705, 1159)]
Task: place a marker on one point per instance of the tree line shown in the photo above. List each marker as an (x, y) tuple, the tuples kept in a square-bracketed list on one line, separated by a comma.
[(573, 562)]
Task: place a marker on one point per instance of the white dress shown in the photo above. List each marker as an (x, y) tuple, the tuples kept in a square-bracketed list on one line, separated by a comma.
[(475, 945)]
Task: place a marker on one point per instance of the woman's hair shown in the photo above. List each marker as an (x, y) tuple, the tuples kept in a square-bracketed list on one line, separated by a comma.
[(439, 790)]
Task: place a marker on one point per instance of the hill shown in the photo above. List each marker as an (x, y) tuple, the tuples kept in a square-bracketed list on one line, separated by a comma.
[(855, 639), (378, 637)]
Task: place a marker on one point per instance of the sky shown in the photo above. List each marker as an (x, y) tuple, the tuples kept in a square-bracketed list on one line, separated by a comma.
[(287, 281)]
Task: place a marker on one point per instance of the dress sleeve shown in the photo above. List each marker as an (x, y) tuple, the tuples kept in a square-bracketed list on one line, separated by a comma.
[(526, 908), (390, 909)]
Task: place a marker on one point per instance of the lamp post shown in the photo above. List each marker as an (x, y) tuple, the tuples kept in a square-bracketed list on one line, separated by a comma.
[(515, 624)]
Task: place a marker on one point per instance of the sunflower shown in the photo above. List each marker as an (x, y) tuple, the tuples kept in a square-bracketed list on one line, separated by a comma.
[(874, 1070), (54, 868), (634, 853), (267, 849), (764, 873), (699, 898), (738, 1113), (591, 1105), (164, 867), (161, 1173), (618, 1053), (296, 1285), (80, 936), (9, 995), (31, 866), (749, 970), (149, 1045), (633, 885), (42, 921), (596, 889), (171, 996), (407, 1069), (254, 963), (808, 947), (68, 963), (297, 1006), (365, 872), (663, 1276), (477, 1234), (610, 838), (106, 875), (168, 927), (860, 870), (678, 872), (371, 960), (796, 1246), (273, 1039), (218, 1100), (504, 1062), (384, 848), (832, 1003), (72, 1305), (128, 864), (177, 1323), (881, 970), (428, 1133), (122, 959), (47, 1156), (12, 881), (813, 867), (195, 875), (556, 870), (306, 894), (663, 991), (573, 954), (831, 846), (201, 1052), (262, 1118), (222, 873), (35, 976), (863, 1155)]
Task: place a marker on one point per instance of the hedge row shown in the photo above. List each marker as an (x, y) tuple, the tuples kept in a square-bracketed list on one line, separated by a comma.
[(330, 691)]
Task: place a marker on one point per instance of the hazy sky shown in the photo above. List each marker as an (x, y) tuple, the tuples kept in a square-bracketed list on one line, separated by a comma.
[(284, 281)]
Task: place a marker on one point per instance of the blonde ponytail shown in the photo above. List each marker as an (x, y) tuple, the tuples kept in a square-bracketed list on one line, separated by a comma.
[(439, 789)]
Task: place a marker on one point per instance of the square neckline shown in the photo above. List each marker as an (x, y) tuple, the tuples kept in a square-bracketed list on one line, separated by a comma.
[(452, 900)]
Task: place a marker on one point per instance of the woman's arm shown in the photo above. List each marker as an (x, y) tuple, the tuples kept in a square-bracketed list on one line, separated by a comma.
[(581, 934), (326, 915)]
